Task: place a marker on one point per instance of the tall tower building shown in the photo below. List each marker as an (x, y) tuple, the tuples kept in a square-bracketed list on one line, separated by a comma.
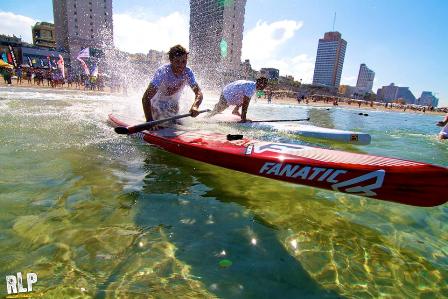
[(365, 79), (216, 36), (329, 59), (82, 23)]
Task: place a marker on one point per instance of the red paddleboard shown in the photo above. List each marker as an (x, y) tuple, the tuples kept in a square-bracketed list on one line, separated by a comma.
[(390, 179)]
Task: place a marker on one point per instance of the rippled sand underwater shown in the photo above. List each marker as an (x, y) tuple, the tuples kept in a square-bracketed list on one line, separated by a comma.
[(98, 215)]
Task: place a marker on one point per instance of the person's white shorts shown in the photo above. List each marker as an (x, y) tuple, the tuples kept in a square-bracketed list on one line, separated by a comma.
[(164, 107)]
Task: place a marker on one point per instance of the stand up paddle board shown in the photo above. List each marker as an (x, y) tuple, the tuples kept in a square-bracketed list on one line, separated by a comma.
[(390, 179), (316, 132)]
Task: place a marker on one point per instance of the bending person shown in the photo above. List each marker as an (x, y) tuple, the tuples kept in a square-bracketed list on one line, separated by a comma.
[(161, 98), (444, 132), (238, 94)]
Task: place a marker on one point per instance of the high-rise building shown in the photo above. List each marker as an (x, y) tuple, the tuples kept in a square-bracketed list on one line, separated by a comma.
[(392, 93), (427, 99), (365, 79), (83, 23), (329, 60), (216, 36), (43, 35), (270, 73)]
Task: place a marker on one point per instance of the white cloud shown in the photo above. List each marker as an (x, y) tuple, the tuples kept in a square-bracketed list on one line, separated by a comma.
[(349, 80), (138, 34), (20, 26), (262, 43), (264, 39), (300, 67)]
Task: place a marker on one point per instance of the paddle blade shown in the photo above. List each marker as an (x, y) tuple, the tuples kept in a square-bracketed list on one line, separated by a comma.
[(122, 130)]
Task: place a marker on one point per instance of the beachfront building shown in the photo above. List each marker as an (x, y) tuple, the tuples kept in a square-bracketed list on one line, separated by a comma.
[(83, 24), (157, 58), (393, 93), (347, 91), (216, 36), (271, 74), (43, 35), (329, 60), (246, 69), (18, 53), (364, 83), (427, 99)]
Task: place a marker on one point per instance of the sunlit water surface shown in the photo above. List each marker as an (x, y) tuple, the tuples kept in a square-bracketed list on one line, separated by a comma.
[(96, 214)]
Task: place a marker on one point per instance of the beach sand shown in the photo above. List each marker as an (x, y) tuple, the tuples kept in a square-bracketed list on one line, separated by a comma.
[(353, 105)]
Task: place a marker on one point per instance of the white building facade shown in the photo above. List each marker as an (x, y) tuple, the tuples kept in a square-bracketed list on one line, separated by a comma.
[(428, 99), (329, 60), (365, 79)]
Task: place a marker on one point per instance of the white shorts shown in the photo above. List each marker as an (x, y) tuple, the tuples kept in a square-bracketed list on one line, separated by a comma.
[(164, 107)]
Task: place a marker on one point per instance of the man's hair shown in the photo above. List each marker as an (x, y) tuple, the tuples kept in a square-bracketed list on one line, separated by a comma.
[(262, 80), (177, 51)]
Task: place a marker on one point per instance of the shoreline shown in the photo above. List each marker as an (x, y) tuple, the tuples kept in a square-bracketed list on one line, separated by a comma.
[(353, 106), (275, 100)]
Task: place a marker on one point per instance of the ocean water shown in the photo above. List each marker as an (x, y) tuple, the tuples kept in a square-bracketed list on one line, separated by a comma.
[(98, 215)]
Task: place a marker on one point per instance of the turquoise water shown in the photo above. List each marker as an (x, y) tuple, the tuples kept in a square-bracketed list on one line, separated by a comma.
[(95, 214)]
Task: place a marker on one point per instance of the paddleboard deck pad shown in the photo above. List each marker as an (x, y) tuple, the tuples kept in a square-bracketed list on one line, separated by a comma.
[(389, 179)]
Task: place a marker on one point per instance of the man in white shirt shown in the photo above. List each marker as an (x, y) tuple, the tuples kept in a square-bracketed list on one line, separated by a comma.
[(161, 98), (238, 94)]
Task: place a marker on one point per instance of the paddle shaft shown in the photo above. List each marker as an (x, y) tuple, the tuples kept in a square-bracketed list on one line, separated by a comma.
[(150, 124)]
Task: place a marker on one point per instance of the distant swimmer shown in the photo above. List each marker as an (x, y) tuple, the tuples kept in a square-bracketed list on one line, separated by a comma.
[(444, 132), (238, 94)]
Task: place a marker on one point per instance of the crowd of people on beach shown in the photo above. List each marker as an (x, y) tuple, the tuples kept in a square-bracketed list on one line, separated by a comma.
[(51, 77)]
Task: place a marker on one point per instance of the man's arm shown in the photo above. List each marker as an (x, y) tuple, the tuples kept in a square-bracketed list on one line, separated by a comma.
[(197, 101), (443, 122), (246, 101), (146, 101)]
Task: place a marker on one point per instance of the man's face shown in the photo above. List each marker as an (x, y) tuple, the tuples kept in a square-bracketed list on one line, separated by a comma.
[(178, 64)]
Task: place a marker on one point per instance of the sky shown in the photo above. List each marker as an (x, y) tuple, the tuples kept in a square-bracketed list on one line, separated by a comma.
[(402, 41)]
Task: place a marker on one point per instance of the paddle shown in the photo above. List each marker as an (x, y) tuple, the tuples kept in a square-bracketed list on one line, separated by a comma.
[(150, 124), (277, 120)]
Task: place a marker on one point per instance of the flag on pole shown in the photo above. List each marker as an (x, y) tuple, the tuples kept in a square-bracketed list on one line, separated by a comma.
[(84, 53), (84, 66), (61, 65), (94, 71), (13, 56)]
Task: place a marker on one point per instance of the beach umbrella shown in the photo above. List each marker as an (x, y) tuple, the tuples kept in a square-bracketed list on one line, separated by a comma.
[(5, 65)]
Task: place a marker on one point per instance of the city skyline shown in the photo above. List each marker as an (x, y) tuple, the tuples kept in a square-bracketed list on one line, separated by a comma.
[(403, 43)]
